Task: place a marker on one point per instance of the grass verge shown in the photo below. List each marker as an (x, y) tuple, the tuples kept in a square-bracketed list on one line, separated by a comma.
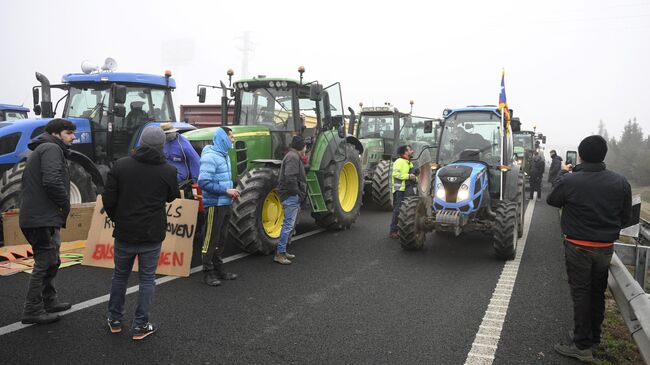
[(617, 346)]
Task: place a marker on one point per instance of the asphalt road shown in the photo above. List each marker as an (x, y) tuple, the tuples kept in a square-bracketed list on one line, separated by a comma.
[(351, 297)]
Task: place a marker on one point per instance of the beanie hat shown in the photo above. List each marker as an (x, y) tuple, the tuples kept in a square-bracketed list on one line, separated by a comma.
[(298, 143), (593, 149), (153, 137)]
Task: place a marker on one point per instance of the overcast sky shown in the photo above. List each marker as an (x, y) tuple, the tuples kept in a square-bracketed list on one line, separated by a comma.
[(568, 64)]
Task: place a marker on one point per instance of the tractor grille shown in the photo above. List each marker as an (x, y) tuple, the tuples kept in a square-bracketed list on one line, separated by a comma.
[(242, 156)]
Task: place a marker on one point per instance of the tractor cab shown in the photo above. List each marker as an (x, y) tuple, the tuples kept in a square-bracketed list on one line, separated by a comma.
[(10, 112), (524, 146)]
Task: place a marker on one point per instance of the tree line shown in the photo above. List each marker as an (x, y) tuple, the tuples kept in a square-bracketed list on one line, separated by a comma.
[(629, 155)]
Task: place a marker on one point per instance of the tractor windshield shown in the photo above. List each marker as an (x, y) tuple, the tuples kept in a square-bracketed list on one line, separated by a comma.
[(470, 136), (523, 140), (269, 107), (376, 126), (8, 115), (412, 130)]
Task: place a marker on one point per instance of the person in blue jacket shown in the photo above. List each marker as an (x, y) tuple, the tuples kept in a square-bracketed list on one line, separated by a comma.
[(179, 153), (218, 193)]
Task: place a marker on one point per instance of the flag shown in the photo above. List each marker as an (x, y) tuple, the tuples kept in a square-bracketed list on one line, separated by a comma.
[(503, 103)]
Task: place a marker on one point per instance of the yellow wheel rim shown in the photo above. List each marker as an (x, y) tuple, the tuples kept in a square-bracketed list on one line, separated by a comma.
[(348, 186), (272, 214)]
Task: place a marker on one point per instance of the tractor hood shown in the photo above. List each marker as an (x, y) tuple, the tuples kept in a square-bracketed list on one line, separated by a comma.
[(469, 176)]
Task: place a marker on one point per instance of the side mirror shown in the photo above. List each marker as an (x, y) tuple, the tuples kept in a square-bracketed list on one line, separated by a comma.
[(36, 95), (316, 92), (428, 126), (119, 94), (201, 95), (544, 139), (571, 157), (119, 110)]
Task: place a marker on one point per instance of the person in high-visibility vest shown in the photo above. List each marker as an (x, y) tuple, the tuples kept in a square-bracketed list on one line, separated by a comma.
[(401, 175)]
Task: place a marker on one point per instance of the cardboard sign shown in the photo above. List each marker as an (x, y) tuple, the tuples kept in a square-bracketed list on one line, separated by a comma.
[(77, 225), (176, 251)]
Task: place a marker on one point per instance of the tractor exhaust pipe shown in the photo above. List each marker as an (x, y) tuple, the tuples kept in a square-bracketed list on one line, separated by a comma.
[(45, 107)]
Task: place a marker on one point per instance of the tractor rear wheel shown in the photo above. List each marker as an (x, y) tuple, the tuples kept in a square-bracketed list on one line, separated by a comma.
[(505, 230), (10, 186), (411, 233), (341, 184), (257, 216), (381, 185)]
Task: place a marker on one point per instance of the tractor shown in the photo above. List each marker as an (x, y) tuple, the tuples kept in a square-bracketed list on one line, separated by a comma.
[(10, 112), (381, 130), (524, 142), (477, 185), (109, 109), (268, 113)]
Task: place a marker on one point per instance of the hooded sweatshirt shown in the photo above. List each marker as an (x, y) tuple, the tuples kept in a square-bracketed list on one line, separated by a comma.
[(215, 172), (45, 189), (137, 190)]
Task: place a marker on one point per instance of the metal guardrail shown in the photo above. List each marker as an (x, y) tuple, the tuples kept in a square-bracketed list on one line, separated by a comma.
[(629, 292)]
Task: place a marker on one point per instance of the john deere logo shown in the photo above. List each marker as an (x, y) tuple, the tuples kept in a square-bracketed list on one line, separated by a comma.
[(452, 179)]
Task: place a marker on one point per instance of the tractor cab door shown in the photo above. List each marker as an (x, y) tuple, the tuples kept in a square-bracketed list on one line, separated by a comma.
[(330, 107)]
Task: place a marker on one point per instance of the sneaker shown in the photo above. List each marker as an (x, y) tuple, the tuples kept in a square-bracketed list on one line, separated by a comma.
[(571, 350), (281, 258), (594, 347), (394, 235), (211, 279), (57, 307), (140, 332), (226, 276), (42, 318), (289, 256), (114, 325)]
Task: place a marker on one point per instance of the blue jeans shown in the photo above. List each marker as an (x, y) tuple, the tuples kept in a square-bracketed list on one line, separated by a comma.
[(124, 258), (291, 206)]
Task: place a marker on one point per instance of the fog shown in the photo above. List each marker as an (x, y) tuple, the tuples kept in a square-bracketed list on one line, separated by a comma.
[(568, 64)]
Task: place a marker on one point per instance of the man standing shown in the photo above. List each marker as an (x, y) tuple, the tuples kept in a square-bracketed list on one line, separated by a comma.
[(44, 208), (596, 203), (554, 170), (179, 152), (137, 190), (218, 193), (401, 174), (292, 188), (536, 173)]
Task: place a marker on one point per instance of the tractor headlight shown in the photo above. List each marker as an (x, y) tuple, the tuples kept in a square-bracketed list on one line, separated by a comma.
[(284, 84), (440, 189), (272, 84), (463, 191)]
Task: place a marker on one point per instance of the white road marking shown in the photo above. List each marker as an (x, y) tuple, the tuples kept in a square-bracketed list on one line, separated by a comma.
[(165, 279), (487, 338)]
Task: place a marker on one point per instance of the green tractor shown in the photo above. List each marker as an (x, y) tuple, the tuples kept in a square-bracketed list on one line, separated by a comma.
[(382, 130), (268, 112), (524, 146)]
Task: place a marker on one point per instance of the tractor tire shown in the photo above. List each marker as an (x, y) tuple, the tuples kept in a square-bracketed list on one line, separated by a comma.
[(521, 205), (82, 187), (10, 187), (342, 188), (411, 234), (381, 185), (505, 230), (257, 216)]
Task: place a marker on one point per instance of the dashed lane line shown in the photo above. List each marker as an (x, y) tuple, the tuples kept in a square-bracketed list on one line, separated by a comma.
[(487, 338), (165, 279)]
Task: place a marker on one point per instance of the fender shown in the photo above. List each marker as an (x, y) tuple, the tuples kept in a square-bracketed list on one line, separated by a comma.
[(89, 166), (355, 142)]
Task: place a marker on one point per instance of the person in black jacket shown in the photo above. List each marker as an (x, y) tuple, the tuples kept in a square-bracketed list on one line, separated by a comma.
[(44, 208), (536, 172), (596, 204), (554, 169), (292, 188), (137, 190)]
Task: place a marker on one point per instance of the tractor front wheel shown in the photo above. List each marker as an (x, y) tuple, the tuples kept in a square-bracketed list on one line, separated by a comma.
[(381, 185), (505, 230), (257, 216), (409, 223), (341, 184)]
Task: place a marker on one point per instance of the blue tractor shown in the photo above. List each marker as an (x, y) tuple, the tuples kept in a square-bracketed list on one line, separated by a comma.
[(12, 112), (109, 109), (478, 184)]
